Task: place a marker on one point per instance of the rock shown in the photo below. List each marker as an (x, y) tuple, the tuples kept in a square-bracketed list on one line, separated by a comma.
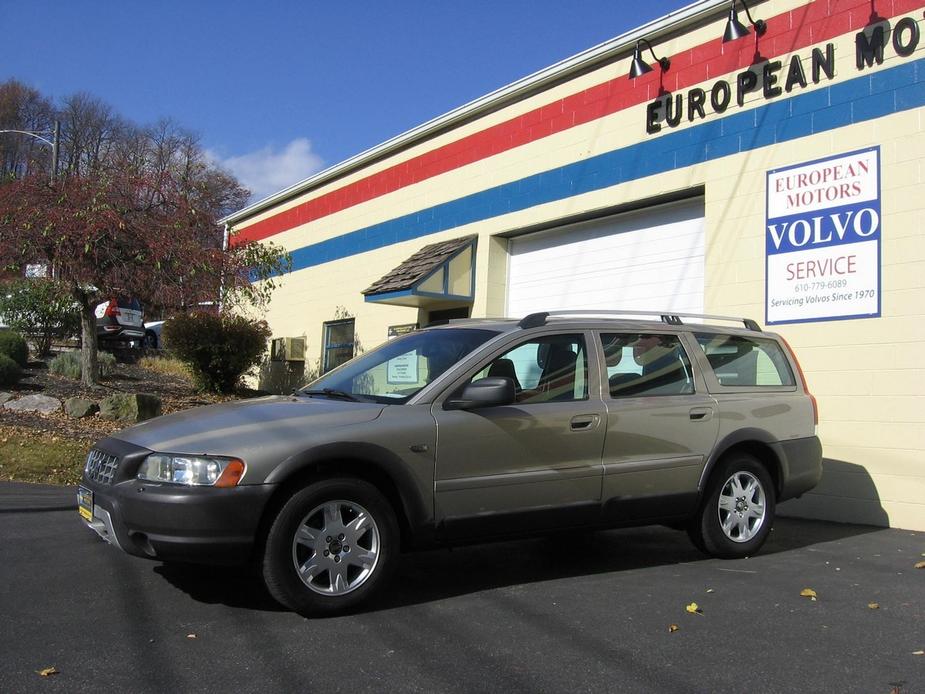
[(5, 397), (42, 404), (130, 407), (78, 408)]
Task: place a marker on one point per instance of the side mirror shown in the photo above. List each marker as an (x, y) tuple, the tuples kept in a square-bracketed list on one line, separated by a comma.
[(486, 392)]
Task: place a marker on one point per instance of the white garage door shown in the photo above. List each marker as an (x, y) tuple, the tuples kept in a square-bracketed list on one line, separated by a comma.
[(646, 260)]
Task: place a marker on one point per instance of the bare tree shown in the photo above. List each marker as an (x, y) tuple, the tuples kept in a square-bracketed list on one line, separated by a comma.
[(90, 131), (23, 108)]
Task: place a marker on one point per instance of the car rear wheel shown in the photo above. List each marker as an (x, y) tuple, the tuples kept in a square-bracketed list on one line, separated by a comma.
[(738, 511), (331, 546)]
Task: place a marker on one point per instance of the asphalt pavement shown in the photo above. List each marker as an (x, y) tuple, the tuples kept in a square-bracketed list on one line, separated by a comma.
[(583, 613)]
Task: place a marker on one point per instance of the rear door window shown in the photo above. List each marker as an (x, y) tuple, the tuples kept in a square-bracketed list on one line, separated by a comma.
[(746, 361), (646, 364)]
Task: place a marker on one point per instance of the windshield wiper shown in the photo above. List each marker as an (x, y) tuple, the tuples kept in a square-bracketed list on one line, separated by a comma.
[(331, 393)]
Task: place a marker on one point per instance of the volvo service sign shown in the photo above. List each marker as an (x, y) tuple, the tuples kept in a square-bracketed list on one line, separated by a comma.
[(822, 239)]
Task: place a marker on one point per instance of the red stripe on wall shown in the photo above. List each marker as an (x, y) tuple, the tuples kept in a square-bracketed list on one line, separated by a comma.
[(804, 26)]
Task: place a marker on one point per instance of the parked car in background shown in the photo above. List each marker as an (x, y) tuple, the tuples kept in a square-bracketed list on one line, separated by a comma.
[(571, 421), (120, 323), (152, 338)]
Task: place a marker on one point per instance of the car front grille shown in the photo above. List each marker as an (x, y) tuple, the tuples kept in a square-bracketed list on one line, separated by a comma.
[(101, 467)]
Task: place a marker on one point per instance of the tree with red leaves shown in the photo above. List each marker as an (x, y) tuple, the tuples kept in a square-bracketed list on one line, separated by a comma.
[(142, 233)]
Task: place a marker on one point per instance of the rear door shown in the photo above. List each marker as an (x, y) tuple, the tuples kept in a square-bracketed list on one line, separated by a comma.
[(661, 426)]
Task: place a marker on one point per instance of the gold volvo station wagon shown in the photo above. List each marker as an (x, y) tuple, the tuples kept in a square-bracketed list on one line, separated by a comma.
[(468, 431)]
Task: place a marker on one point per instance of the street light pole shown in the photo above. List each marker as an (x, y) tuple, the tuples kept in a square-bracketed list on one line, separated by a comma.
[(56, 135), (54, 151)]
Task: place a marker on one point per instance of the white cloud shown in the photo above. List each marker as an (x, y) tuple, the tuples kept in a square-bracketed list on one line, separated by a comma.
[(268, 170)]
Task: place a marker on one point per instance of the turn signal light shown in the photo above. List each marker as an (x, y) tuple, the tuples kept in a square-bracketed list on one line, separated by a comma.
[(231, 475)]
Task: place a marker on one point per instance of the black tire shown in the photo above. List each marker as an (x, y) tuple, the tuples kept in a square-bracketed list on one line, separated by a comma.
[(738, 487), (150, 341), (323, 538)]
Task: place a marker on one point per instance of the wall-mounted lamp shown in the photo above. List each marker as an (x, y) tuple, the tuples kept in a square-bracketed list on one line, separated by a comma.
[(736, 30), (641, 67)]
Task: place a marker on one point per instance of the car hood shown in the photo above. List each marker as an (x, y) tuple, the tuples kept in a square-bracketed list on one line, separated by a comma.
[(263, 428)]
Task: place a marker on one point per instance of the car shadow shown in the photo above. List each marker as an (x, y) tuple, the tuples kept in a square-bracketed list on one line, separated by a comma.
[(440, 574), (240, 586)]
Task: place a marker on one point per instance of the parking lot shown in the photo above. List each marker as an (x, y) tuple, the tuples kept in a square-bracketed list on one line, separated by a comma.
[(569, 613)]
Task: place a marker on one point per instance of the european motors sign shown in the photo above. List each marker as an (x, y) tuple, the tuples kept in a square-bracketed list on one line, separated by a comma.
[(822, 239)]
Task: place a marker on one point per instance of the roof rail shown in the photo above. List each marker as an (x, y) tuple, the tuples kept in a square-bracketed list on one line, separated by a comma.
[(535, 320)]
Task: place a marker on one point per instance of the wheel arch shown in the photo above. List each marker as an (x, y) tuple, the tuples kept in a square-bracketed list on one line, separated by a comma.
[(757, 443), (368, 462)]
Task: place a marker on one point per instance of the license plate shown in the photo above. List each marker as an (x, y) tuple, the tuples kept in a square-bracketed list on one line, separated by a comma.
[(85, 503)]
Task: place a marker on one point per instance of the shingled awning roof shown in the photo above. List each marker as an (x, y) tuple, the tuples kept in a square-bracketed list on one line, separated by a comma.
[(422, 268)]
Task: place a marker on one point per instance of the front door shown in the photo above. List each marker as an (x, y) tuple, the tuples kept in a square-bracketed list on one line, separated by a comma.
[(531, 465)]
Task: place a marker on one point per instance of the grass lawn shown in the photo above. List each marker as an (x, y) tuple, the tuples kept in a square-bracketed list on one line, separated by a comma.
[(41, 457)]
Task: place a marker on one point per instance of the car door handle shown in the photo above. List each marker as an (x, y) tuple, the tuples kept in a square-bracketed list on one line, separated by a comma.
[(701, 414), (584, 422)]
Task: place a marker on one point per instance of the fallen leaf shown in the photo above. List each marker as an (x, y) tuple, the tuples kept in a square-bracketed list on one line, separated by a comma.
[(694, 608), (918, 652), (47, 672), (672, 628), (874, 605), (920, 565), (709, 590), (191, 636), (808, 593)]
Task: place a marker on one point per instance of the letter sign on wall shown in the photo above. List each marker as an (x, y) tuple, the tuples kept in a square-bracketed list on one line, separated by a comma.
[(822, 239)]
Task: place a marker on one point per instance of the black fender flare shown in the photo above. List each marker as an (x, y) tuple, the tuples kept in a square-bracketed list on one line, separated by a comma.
[(380, 459), (747, 436)]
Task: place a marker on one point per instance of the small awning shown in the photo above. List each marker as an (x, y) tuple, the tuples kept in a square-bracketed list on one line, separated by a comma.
[(435, 275)]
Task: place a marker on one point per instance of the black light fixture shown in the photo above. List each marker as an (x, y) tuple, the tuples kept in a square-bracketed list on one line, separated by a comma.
[(735, 29), (640, 66)]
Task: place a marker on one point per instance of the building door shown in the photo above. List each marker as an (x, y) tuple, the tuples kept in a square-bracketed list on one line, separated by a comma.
[(645, 260)]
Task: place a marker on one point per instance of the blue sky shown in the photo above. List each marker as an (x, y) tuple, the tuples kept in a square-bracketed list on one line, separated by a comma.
[(280, 90)]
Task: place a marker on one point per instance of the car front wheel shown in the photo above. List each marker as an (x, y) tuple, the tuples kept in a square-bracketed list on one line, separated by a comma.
[(331, 546), (738, 511)]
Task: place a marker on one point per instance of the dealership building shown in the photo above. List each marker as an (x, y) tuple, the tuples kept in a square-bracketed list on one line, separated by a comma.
[(769, 167)]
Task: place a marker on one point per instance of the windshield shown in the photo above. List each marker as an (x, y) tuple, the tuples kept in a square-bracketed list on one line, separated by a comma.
[(393, 372)]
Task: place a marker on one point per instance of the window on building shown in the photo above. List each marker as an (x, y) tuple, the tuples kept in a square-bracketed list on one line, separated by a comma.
[(338, 343)]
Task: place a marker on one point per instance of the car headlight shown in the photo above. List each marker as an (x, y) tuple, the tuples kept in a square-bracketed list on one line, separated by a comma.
[(193, 470)]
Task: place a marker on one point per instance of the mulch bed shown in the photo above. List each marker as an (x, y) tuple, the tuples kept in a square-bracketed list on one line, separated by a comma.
[(176, 393)]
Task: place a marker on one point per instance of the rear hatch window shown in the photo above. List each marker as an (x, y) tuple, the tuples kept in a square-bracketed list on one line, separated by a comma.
[(746, 361)]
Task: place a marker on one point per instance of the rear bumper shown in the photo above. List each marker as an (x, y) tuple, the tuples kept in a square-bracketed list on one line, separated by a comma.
[(173, 523), (126, 335), (801, 461)]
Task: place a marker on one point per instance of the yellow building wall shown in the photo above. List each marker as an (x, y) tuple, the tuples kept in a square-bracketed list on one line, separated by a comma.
[(867, 374)]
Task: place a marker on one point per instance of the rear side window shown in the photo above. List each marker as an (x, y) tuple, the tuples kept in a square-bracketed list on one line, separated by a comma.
[(641, 364), (746, 361)]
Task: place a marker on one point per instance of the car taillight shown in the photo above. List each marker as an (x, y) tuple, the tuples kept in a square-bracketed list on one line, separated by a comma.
[(112, 309), (812, 398)]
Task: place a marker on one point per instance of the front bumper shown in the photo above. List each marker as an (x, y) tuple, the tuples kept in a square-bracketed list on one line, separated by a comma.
[(172, 522)]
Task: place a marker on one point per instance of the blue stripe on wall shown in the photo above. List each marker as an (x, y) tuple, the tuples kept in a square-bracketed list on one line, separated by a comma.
[(860, 99)]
